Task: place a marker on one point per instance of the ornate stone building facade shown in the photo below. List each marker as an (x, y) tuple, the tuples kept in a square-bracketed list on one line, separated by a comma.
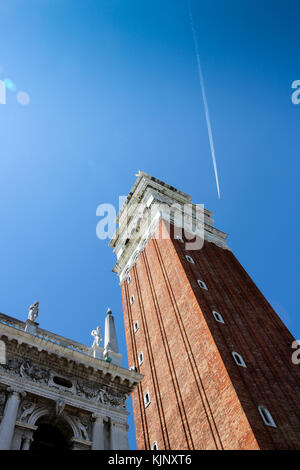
[(216, 358), (57, 393)]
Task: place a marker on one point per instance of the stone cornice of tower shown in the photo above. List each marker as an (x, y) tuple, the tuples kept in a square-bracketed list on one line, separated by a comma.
[(69, 350), (139, 216)]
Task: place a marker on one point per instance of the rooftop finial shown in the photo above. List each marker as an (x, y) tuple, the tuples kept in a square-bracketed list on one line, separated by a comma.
[(111, 349)]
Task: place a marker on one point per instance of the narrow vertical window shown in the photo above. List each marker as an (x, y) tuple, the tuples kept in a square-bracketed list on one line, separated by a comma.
[(154, 446), (141, 358), (190, 259), (266, 416), (180, 239), (218, 317), (131, 299), (147, 398), (238, 359), (135, 326), (128, 279), (202, 284)]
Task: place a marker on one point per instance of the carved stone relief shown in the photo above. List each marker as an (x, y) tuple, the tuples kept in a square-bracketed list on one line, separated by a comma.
[(25, 369), (82, 426), (101, 395), (27, 407)]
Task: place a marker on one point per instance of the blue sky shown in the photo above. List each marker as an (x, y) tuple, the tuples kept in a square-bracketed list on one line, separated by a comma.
[(114, 89)]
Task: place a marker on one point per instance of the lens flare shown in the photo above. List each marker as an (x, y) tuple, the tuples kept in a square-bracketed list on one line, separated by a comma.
[(23, 98), (9, 84)]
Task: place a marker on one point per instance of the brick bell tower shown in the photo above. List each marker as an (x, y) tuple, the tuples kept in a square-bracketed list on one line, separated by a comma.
[(216, 358)]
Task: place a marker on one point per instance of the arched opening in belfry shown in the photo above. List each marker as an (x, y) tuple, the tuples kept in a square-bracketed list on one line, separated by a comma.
[(52, 434)]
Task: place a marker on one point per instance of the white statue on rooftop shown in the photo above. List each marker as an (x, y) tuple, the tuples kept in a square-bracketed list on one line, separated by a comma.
[(97, 336), (33, 311)]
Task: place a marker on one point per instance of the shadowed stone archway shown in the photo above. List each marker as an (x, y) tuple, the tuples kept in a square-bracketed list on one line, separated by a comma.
[(52, 434)]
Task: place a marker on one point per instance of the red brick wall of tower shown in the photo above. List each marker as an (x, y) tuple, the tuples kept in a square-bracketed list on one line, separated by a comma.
[(200, 398)]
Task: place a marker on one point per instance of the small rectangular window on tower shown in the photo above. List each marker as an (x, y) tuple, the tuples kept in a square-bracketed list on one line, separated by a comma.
[(218, 317), (154, 446), (202, 284), (238, 359), (141, 358), (147, 399), (266, 416)]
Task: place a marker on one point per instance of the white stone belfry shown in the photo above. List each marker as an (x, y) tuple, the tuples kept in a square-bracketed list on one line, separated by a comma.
[(149, 202), (111, 350)]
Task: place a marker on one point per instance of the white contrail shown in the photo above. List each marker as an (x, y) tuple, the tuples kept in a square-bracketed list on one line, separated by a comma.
[(210, 136)]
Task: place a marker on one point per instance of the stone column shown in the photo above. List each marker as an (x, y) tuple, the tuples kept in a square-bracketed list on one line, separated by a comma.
[(16, 443), (98, 432), (8, 422), (118, 435)]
